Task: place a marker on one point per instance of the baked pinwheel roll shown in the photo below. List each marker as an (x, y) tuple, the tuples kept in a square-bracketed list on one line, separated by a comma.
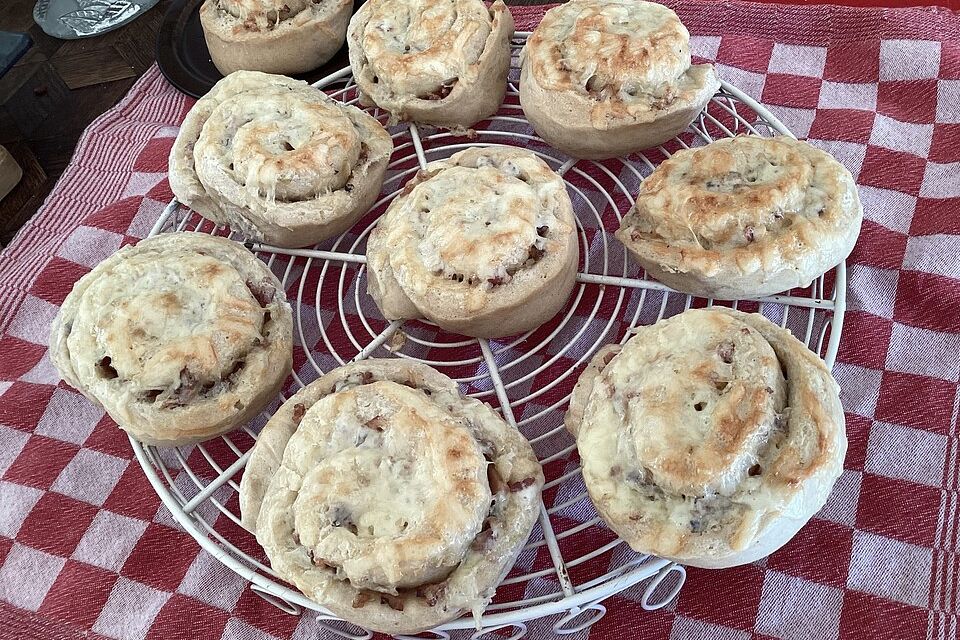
[(743, 217), (482, 243), (278, 160), (441, 62), (389, 498), (709, 438), (604, 78), (275, 36), (180, 338)]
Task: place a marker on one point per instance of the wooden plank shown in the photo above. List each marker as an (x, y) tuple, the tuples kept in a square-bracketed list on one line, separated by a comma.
[(89, 68)]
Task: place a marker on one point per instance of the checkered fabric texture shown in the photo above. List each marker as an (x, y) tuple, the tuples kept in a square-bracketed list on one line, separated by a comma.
[(87, 550)]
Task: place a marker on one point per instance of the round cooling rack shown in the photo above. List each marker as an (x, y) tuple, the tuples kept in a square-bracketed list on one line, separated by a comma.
[(571, 562)]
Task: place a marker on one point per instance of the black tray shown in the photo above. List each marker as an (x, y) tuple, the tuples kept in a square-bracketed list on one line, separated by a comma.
[(184, 60)]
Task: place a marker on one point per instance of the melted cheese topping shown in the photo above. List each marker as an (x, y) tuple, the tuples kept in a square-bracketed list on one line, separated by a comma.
[(416, 47), (265, 15), (629, 56), (394, 489), (471, 224), (755, 200), (281, 143)]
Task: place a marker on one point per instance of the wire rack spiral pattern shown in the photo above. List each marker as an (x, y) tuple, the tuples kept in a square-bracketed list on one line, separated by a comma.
[(571, 562)]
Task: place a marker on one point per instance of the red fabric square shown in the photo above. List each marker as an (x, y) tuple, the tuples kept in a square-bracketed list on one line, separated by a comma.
[(950, 60), (161, 557), (161, 192), (23, 404), (916, 401), (849, 125), (853, 64), (5, 545), (56, 280), (18, 357), (865, 340), (858, 434), (745, 52), (181, 612), (115, 217), (945, 147), (908, 100), (154, 156), (259, 613), (803, 556), (898, 509), (40, 462), (791, 91), (895, 170), (880, 619), (729, 597), (133, 496), (79, 594), (109, 438), (936, 215), (927, 300), (44, 526), (879, 247)]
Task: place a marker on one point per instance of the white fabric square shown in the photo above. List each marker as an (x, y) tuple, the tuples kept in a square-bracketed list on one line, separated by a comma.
[(12, 442), (237, 628), (705, 46), (849, 154), (4, 385), (89, 246), (941, 180), (841, 505), (147, 215), (42, 373), (747, 81), (18, 501), (934, 254), (859, 388), (948, 101), (924, 352), (140, 183), (797, 120), (909, 59), (127, 596), (33, 320), (890, 569), (796, 609), (798, 60), (27, 575), (109, 540), (902, 136), (847, 95), (871, 289), (892, 209), (207, 510), (890, 445), (208, 580), (90, 476), (69, 417), (685, 628)]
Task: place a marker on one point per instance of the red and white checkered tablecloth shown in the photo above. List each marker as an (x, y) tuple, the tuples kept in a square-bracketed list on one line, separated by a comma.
[(87, 550)]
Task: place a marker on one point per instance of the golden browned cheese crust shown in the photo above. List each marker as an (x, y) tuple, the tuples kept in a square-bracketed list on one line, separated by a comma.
[(442, 62), (386, 496), (273, 36), (709, 438), (611, 69), (743, 217), (278, 160), (180, 338), (483, 243)]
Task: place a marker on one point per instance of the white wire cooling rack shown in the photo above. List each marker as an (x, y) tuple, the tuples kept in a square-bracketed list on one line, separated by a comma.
[(571, 562)]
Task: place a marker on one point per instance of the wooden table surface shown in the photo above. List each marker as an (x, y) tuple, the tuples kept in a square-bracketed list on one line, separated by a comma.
[(60, 86)]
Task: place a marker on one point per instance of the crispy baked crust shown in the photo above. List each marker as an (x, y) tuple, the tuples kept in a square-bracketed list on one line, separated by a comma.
[(273, 36), (180, 338), (709, 438), (483, 243), (743, 217), (604, 78), (278, 160), (371, 491), (441, 62)]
